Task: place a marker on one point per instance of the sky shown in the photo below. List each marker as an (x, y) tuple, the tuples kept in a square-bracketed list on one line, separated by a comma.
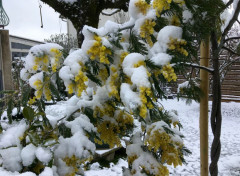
[(25, 19)]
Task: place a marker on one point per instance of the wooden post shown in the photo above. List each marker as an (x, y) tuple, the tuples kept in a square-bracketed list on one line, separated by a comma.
[(204, 61), (6, 60)]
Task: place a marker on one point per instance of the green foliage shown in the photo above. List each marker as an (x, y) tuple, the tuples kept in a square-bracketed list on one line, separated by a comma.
[(136, 44), (28, 113)]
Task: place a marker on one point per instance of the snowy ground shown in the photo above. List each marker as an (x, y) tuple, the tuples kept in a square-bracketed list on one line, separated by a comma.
[(229, 164)]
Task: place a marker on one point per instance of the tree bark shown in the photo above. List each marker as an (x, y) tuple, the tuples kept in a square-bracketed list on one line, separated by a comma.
[(85, 12), (216, 115)]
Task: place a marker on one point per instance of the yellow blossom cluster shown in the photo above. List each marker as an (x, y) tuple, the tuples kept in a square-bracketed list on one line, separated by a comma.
[(147, 29), (143, 6), (39, 87), (168, 73), (57, 57), (131, 159), (139, 63), (161, 5), (175, 20), (172, 154), (180, 2), (108, 133), (73, 162), (78, 85), (114, 83), (32, 100), (98, 50), (171, 151), (107, 109), (47, 92), (80, 80), (162, 170), (124, 119), (103, 74), (177, 44), (41, 62), (123, 55), (145, 104)]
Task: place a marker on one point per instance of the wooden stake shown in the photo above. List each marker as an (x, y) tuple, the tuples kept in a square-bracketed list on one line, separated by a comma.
[(204, 61)]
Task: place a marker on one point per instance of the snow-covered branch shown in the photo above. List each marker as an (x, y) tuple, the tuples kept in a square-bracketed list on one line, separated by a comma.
[(232, 38), (197, 66), (231, 51), (233, 20), (112, 13)]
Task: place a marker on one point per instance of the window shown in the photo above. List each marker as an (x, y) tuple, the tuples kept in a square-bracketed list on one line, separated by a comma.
[(20, 46)]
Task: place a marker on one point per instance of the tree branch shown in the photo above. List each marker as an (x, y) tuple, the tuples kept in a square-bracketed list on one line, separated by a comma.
[(232, 38), (112, 13), (228, 3), (232, 21), (231, 51), (210, 70), (116, 4)]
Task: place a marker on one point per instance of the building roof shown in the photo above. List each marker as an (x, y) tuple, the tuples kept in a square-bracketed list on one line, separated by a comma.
[(26, 39)]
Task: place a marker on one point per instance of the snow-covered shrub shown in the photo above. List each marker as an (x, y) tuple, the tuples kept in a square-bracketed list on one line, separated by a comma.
[(115, 78)]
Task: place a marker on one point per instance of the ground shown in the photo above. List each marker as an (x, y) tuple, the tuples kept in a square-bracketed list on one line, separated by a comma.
[(229, 163)]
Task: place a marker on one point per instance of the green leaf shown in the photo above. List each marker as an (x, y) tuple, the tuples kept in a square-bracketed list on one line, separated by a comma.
[(9, 110), (34, 138), (25, 97), (94, 78), (28, 113), (55, 91)]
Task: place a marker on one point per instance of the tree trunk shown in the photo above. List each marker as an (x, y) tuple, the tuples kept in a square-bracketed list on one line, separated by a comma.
[(216, 116), (84, 12)]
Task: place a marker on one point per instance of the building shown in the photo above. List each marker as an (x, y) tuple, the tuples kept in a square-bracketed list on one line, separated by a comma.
[(20, 46)]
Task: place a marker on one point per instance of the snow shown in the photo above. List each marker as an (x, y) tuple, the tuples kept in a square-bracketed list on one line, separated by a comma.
[(114, 170), (185, 84), (129, 98), (166, 33), (161, 59), (81, 123), (10, 137), (35, 77), (11, 159), (134, 12), (229, 163), (189, 118), (138, 75), (47, 172), (28, 154), (228, 13), (187, 16), (44, 155)]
